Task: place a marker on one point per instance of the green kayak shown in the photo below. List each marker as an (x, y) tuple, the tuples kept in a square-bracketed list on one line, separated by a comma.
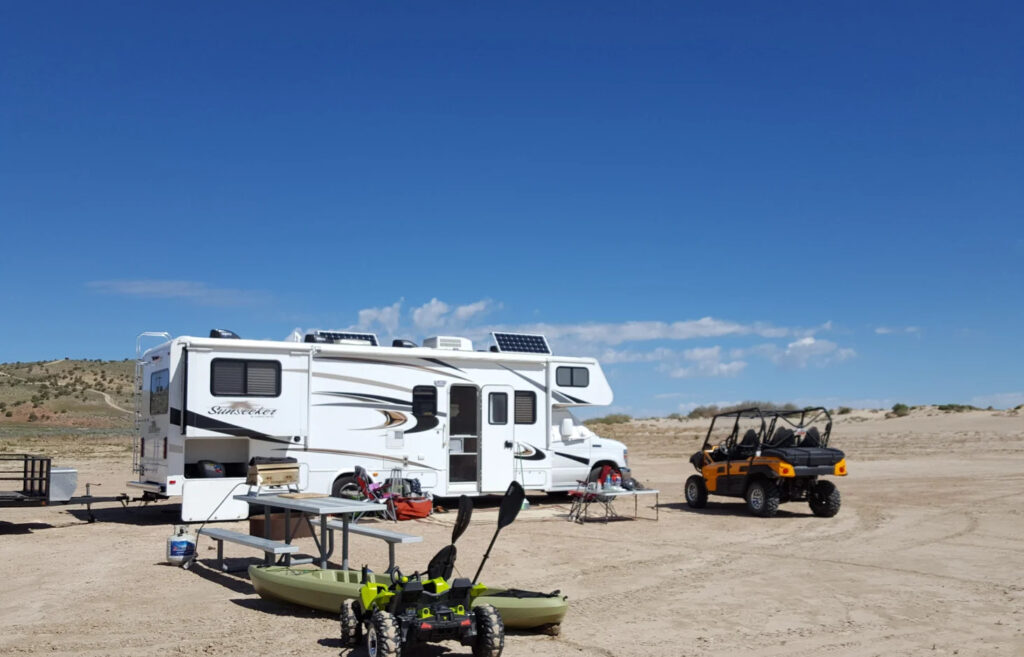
[(326, 589)]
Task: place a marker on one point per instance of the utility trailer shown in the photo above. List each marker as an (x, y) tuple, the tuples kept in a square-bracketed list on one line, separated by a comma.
[(25, 480), (462, 421)]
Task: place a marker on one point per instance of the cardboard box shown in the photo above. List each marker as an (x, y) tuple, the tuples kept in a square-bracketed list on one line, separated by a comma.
[(300, 528)]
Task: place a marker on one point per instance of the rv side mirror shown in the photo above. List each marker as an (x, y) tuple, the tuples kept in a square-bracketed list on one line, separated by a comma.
[(566, 428)]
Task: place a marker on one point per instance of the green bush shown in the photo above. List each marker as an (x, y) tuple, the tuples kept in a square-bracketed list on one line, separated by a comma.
[(844, 410), (712, 409), (957, 408), (900, 410)]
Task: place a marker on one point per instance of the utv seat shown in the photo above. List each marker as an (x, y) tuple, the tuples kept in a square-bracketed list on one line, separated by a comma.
[(746, 447), (783, 437), (812, 438)]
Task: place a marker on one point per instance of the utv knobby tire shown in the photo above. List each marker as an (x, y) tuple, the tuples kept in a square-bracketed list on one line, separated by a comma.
[(490, 632), (696, 492), (382, 638), (351, 628), (824, 499), (763, 498)]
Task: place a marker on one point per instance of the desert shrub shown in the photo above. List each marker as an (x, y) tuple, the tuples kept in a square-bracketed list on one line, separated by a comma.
[(900, 410), (676, 416), (32, 417), (713, 409), (844, 410), (614, 418), (8, 414), (956, 408)]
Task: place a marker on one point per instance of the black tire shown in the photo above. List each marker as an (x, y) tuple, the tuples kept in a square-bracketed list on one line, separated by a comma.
[(595, 472), (347, 486), (382, 638), (824, 499), (763, 498), (490, 632), (351, 628), (696, 492)]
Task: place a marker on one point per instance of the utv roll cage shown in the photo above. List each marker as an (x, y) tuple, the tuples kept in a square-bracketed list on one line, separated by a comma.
[(778, 428)]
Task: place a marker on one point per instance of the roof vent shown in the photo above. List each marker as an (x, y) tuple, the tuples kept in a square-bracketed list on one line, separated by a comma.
[(405, 344), (448, 342), (224, 333)]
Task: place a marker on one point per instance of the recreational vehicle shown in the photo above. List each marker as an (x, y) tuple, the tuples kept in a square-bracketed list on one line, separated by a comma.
[(461, 421)]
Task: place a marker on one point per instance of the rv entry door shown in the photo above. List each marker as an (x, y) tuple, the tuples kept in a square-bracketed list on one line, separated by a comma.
[(497, 439)]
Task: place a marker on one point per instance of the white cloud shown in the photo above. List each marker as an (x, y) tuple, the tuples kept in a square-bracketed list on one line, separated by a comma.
[(194, 291), (999, 400), (889, 330), (706, 362), (387, 316), (798, 354), (430, 315), (612, 334), (463, 313)]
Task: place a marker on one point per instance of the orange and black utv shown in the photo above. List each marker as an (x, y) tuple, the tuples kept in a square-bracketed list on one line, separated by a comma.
[(778, 458)]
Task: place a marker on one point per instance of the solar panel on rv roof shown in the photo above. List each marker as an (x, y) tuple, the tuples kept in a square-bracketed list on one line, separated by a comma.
[(521, 343), (342, 335)]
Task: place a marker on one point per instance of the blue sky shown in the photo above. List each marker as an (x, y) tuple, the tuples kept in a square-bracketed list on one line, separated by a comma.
[(791, 201)]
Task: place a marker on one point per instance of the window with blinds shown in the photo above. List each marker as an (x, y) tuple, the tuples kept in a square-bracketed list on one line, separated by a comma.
[(526, 407), (245, 378)]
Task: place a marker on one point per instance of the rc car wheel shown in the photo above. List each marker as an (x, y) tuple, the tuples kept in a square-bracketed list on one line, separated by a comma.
[(350, 626), (763, 498), (696, 492), (824, 499), (382, 638), (490, 632)]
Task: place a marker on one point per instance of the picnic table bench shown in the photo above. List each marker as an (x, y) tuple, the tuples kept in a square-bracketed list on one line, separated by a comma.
[(269, 547), (391, 537)]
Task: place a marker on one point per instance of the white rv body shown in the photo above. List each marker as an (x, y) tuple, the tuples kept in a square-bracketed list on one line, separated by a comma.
[(461, 421)]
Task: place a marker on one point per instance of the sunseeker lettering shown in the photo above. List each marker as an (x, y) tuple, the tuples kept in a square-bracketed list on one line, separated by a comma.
[(256, 411)]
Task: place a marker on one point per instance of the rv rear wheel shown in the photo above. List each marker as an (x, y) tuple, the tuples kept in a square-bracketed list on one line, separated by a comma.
[(350, 626), (347, 486), (490, 632), (382, 638)]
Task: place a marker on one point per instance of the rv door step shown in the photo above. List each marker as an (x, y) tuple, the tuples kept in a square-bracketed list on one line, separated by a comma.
[(391, 537), (270, 548)]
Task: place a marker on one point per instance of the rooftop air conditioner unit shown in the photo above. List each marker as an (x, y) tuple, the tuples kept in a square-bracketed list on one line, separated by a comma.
[(448, 342)]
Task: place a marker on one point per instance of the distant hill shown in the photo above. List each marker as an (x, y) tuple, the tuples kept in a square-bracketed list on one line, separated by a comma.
[(79, 393)]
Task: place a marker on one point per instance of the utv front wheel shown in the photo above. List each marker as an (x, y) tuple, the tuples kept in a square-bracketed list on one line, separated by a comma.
[(824, 499), (350, 626), (763, 498), (696, 492), (382, 638), (490, 632)]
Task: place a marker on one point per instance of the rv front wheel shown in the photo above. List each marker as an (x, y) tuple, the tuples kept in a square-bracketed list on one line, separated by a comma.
[(347, 486)]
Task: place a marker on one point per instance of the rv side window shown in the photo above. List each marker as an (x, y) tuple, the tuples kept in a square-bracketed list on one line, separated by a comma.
[(526, 407), (245, 378), (572, 377), (158, 392), (424, 401), (497, 405)]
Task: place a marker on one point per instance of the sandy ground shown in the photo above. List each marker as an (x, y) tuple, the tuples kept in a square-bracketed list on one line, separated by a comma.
[(925, 558)]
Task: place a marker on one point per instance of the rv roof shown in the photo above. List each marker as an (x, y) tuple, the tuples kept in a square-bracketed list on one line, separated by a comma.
[(377, 351)]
